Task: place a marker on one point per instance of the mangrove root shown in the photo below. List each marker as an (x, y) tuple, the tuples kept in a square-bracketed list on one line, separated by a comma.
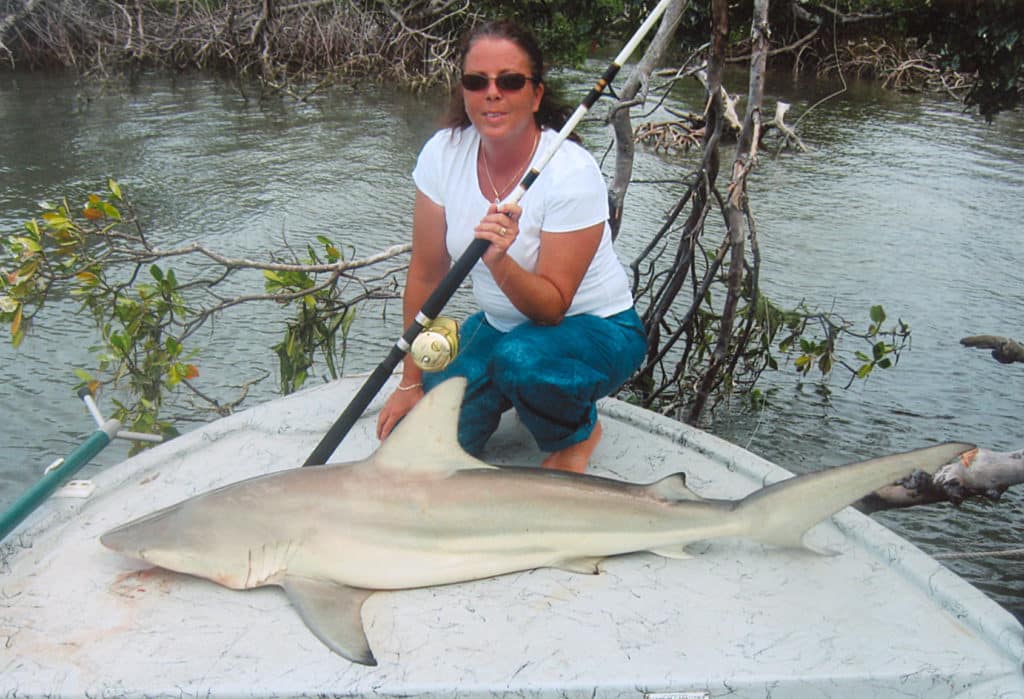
[(1005, 350)]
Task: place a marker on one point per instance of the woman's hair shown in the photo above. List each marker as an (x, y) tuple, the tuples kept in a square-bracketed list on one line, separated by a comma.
[(553, 111)]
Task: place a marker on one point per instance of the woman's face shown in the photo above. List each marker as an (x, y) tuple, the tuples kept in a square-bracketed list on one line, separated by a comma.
[(500, 114)]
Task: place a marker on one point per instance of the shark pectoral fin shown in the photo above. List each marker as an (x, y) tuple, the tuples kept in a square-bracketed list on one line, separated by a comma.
[(333, 613), (670, 552), (798, 543), (589, 565), (820, 550)]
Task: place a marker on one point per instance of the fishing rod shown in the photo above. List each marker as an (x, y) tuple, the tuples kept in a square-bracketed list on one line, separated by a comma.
[(61, 470), (442, 294)]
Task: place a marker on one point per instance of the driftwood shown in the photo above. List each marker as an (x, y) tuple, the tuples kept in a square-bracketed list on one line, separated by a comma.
[(686, 130), (1005, 350), (790, 139), (729, 114), (980, 473)]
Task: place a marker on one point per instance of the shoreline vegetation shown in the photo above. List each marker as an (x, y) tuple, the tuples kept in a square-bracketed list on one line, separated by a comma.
[(280, 44), (301, 47)]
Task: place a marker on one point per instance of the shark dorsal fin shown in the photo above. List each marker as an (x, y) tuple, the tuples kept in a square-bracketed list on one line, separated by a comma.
[(672, 488), (427, 439)]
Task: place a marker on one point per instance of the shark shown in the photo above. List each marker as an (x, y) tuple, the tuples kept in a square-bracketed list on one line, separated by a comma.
[(420, 511)]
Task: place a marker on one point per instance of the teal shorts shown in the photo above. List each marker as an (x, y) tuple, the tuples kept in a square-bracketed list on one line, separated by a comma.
[(552, 375)]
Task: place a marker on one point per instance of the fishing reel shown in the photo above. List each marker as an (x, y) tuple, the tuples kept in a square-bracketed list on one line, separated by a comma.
[(436, 345)]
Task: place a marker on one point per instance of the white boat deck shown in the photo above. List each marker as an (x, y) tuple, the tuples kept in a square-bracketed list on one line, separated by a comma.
[(881, 619)]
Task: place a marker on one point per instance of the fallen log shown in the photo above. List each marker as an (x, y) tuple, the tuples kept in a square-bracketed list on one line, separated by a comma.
[(1005, 350), (981, 473)]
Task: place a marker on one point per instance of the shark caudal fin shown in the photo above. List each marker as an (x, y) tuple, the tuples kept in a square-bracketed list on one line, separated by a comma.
[(783, 512)]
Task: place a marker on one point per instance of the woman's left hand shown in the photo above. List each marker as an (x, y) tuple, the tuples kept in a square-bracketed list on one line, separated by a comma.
[(501, 227)]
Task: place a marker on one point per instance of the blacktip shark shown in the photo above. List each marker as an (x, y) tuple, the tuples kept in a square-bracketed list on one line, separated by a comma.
[(420, 511)]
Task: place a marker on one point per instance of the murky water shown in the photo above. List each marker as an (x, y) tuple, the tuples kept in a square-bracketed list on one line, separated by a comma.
[(903, 201)]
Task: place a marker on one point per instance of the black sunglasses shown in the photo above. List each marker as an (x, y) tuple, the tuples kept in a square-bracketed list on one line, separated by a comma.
[(508, 82)]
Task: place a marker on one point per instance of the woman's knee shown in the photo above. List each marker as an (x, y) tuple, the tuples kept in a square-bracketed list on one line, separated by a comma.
[(518, 357)]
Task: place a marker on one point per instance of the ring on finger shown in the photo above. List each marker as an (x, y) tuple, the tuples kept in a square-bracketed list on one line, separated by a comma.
[(502, 232)]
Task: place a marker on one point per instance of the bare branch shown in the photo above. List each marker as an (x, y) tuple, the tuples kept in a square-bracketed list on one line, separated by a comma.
[(632, 93), (1004, 350), (246, 263)]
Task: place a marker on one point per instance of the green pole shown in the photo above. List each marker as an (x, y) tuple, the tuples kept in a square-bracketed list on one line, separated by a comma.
[(34, 496)]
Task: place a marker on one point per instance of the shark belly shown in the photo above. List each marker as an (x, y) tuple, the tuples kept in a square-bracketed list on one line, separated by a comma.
[(480, 524)]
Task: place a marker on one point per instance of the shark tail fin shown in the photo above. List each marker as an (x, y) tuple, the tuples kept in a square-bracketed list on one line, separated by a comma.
[(783, 512)]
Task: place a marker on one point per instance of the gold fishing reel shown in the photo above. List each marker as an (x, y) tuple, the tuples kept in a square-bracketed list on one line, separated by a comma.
[(436, 345)]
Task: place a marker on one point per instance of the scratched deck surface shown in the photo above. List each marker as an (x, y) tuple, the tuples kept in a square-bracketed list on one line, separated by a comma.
[(880, 619)]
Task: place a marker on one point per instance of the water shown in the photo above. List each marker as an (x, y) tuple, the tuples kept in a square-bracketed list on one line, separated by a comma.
[(903, 201)]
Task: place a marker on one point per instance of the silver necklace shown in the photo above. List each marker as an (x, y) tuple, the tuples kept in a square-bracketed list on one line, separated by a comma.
[(515, 178)]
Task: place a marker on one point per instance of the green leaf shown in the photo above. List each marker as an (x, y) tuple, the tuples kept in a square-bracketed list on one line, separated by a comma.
[(56, 220), (111, 211), (16, 329), (88, 278), (825, 363), (878, 315), (28, 244), (350, 315), (120, 343), (114, 188)]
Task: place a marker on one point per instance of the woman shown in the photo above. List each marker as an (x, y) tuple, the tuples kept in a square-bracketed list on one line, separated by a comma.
[(558, 330)]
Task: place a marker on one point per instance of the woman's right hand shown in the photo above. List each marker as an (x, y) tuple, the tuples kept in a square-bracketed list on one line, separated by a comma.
[(395, 408)]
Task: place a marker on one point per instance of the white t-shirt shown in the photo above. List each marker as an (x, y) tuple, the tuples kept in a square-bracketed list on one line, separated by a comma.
[(570, 194)]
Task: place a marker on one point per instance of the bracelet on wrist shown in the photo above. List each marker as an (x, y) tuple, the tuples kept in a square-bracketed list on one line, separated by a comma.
[(410, 387)]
